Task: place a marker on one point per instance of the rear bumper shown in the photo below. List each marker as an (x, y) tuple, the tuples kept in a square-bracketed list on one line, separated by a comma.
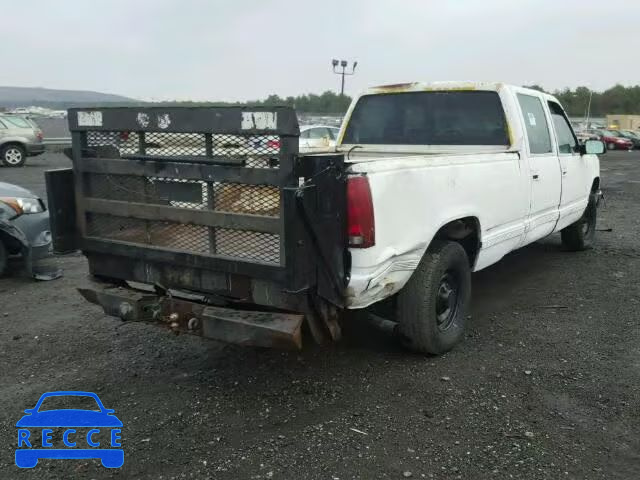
[(180, 315), (35, 149)]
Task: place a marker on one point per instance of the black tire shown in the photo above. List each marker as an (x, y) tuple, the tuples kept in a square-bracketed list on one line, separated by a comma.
[(430, 319), (611, 146), (4, 255), (581, 235), (13, 155)]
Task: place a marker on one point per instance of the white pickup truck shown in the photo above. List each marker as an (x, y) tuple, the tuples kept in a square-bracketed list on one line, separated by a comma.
[(447, 178), (428, 183)]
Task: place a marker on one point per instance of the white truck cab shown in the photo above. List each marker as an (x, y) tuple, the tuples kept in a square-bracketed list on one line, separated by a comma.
[(447, 178)]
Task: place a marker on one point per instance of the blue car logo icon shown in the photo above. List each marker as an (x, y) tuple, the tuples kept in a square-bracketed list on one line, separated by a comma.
[(84, 432)]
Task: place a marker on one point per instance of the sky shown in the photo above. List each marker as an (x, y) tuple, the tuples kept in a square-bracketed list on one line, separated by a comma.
[(247, 49)]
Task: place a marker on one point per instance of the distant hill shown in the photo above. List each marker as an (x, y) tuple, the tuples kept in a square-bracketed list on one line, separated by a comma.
[(11, 97)]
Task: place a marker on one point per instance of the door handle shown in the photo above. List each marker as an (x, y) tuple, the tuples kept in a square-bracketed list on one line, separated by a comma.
[(536, 176)]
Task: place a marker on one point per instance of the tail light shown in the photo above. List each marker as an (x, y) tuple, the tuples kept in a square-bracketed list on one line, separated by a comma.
[(124, 136), (273, 143), (39, 135), (360, 221)]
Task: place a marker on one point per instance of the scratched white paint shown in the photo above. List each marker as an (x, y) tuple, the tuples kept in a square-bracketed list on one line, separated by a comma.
[(259, 121), (89, 119), (164, 120), (143, 119), (418, 189)]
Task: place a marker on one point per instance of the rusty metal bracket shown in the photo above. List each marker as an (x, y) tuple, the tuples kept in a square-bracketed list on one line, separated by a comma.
[(244, 327)]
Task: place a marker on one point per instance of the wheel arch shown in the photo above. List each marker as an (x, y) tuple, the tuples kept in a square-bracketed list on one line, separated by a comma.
[(463, 230)]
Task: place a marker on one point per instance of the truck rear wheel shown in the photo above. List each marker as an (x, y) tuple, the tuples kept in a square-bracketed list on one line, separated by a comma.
[(581, 235), (431, 308)]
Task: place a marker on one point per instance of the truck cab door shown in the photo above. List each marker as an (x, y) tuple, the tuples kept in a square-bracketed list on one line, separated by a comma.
[(544, 170), (574, 168)]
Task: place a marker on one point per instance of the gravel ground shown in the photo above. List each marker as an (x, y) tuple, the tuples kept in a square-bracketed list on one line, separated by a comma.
[(545, 385)]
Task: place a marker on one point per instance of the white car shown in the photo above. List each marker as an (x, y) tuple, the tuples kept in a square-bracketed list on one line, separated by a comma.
[(318, 138)]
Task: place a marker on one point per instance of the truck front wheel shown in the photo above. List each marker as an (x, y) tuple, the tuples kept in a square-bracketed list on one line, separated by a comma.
[(431, 308), (581, 235)]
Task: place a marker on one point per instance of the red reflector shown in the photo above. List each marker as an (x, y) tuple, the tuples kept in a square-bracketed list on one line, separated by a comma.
[(124, 136), (273, 144), (361, 226)]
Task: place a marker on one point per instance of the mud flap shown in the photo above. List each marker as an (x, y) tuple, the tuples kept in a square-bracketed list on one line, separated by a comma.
[(62, 209)]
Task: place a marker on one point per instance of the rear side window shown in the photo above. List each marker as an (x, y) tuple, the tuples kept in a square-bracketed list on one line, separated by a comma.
[(536, 124), (428, 118), (566, 139), (16, 122)]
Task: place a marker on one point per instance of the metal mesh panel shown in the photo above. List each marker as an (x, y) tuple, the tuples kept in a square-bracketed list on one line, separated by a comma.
[(125, 142), (175, 144), (240, 198), (199, 239), (254, 151), (249, 245), (194, 194)]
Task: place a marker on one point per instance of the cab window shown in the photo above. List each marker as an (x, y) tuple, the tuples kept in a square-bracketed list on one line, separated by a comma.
[(536, 124), (566, 139)]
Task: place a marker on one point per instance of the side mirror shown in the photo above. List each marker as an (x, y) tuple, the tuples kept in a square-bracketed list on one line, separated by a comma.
[(592, 147)]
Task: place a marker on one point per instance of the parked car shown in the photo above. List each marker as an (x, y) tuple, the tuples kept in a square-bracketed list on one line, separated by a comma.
[(428, 183), (318, 138), (614, 140), (20, 137), (630, 135), (24, 226)]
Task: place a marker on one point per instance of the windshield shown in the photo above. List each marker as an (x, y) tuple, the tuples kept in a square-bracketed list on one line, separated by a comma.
[(428, 118), (612, 133)]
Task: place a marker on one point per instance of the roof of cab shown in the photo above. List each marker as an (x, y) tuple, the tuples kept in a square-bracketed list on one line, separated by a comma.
[(452, 86), (434, 86)]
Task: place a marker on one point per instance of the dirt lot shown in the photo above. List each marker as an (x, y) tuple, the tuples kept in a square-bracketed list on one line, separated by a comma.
[(546, 384)]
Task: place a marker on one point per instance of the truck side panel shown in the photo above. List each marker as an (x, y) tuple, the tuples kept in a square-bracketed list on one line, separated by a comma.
[(415, 196)]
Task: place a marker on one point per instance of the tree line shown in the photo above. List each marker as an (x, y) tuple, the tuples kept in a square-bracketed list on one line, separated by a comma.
[(617, 99), (326, 103)]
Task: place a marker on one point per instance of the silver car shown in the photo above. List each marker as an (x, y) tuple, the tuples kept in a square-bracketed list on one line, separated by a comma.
[(24, 228), (20, 137)]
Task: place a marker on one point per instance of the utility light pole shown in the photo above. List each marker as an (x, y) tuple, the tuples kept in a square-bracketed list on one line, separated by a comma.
[(589, 108), (343, 63)]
